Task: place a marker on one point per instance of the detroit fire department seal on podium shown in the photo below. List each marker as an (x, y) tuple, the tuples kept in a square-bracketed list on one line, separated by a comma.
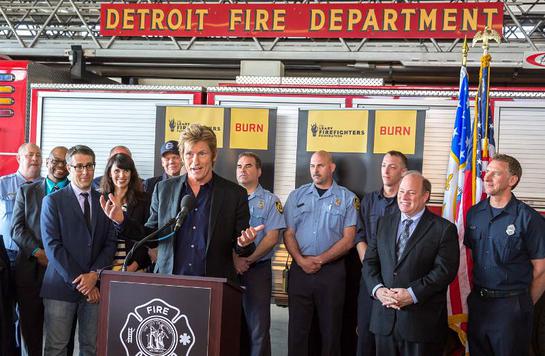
[(157, 328)]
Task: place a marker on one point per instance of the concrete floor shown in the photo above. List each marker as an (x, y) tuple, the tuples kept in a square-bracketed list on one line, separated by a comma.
[(279, 330)]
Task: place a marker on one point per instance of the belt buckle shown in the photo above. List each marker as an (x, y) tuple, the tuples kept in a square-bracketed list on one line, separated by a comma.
[(483, 293)]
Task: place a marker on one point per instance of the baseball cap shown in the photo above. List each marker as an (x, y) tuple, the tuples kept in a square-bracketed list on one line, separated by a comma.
[(170, 146)]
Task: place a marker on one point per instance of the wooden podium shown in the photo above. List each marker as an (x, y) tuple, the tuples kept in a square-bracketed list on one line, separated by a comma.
[(149, 314)]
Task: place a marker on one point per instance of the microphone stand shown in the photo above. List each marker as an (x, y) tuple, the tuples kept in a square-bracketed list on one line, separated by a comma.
[(144, 240)]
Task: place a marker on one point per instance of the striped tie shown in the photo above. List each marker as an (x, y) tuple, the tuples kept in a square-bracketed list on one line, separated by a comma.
[(404, 237)]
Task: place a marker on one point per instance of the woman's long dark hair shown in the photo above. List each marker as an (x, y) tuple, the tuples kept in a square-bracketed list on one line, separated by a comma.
[(134, 190)]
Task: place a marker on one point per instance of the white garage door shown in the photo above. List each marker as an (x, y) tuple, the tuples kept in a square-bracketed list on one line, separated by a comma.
[(103, 120)]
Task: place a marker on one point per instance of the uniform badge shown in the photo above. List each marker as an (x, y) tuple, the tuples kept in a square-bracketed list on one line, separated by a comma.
[(279, 207), (338, 202), (356, 203), (261, 204), (510, 230)]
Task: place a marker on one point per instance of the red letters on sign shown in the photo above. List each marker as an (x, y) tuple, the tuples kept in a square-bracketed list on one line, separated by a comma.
[(241, 127), (395, 130)]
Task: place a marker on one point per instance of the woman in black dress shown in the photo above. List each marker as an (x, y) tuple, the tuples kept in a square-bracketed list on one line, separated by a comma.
[(122, 181)]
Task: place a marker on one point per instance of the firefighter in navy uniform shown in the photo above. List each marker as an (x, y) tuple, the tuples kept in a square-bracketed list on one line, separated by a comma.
[(507, 241)]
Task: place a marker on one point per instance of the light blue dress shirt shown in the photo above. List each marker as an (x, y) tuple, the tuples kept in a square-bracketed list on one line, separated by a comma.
[(265, 208), (81, 199)]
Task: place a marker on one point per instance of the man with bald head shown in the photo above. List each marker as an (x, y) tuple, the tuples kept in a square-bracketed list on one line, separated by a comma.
[(321, 220), (407, 269), (29, 158), (31, 260)]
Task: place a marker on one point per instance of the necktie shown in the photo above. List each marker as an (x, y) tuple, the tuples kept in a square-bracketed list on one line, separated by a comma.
[(55, 188), (87, 210), (404, 237)]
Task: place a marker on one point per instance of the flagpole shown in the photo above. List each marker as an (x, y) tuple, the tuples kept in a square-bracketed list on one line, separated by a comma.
[(453, 202), (485, 37)]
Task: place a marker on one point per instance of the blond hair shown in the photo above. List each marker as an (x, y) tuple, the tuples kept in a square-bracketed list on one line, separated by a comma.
[(198, 133)]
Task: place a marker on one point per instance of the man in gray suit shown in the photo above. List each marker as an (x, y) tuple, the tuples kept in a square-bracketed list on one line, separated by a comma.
[(31, 260)]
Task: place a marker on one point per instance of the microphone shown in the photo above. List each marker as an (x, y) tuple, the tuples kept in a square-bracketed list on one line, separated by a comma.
[(187, 204)]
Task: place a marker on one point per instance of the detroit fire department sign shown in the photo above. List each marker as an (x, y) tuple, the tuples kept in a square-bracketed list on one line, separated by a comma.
[(157, 328)]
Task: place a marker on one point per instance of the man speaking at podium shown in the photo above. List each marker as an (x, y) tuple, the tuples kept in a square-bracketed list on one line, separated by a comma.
[(216, 224)]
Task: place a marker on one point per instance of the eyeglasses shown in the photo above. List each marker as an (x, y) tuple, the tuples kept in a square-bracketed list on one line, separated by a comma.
[(80, 167), (56, 162)]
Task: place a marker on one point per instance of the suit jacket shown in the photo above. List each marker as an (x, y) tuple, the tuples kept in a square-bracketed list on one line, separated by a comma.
[(70, 247), (229, 215), (428, 265), (150, 183), (25, 231)]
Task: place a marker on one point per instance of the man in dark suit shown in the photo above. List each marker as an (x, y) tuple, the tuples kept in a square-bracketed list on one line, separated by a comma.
[(79, 240), (31, 259), (407, 269), (217, 224)]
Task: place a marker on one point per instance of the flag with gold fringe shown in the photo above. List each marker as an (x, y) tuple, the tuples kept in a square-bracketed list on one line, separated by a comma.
[(472, 146)]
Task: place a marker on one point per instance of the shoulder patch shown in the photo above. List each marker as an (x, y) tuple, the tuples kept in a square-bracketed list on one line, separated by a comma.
[(279, 207), (356, 203)]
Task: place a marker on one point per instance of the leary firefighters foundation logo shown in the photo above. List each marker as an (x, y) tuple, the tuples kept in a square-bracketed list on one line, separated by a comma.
[(157, 329), (337, 130), (333, 132)]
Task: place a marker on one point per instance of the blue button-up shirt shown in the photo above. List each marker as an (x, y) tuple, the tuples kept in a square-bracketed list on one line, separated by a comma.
[(191, 239), (265, 208), (415, 218), (503, 245), (319, 221), (9, 185), (375, 205)]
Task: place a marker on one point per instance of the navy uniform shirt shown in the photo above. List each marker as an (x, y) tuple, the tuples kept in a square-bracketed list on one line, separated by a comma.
[(374, 206), (191, 239), (265, 208), (9, 185), (502, 242), (319, 221)]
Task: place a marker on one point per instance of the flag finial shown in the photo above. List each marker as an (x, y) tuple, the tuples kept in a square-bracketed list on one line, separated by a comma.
[(485, 37)]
